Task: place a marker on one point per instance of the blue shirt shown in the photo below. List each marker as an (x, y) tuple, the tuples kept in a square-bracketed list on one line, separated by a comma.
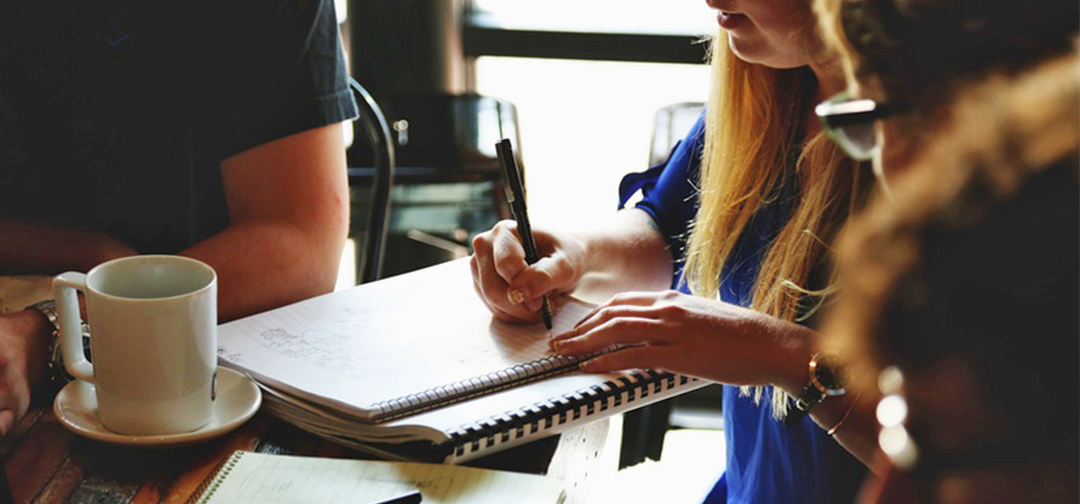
[(767, 461)]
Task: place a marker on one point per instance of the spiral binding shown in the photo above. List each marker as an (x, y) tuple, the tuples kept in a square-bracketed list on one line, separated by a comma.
[(216, 478), (442, 395), (562, 409)]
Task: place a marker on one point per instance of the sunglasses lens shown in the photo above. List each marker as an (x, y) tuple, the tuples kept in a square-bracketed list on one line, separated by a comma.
[(858, 140)]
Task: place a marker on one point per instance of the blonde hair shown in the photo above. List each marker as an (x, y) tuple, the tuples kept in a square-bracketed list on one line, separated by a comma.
[(754, 124)]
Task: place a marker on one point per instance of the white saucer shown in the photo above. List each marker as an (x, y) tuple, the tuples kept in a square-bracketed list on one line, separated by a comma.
[(238, 398)]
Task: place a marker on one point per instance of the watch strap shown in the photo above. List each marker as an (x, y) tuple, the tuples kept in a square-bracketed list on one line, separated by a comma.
[(57, 373), (809, 398), (814, 391)]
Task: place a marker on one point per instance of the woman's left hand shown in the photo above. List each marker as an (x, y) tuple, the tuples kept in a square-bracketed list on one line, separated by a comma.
[(690, 335)]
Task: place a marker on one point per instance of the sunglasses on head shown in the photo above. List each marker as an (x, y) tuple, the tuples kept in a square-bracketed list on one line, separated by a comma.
[(850, 123)]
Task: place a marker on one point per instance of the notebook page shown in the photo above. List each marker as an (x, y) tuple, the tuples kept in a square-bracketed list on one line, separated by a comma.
[(384, 340), (259, 478)]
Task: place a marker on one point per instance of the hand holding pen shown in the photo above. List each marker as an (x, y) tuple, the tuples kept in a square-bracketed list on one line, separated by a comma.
[(512, 289), (515, 197)]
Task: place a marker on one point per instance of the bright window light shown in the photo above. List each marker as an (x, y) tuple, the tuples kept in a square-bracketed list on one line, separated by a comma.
[(584, 124), (625, 16)]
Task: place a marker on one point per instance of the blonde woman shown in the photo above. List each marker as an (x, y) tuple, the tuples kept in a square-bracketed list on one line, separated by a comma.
[(741, 215)]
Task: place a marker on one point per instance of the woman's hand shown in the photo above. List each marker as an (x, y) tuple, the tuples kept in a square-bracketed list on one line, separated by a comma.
[(690, 335), (512, 289)]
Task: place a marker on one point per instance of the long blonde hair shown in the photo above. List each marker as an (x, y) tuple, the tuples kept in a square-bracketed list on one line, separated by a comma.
[(754, 124)]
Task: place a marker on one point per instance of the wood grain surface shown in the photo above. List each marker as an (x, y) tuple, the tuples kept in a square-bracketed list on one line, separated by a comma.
[(46, 464)]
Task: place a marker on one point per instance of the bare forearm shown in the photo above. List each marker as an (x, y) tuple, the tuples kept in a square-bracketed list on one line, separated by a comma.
[(289, 211), (849, 416), (36, 248), (858, 433), (263, 265), (628, 254)]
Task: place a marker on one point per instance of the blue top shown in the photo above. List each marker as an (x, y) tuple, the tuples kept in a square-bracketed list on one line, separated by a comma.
[(767, 461)]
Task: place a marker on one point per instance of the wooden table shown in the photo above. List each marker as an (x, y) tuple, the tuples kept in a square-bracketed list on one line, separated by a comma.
[(46, 464)]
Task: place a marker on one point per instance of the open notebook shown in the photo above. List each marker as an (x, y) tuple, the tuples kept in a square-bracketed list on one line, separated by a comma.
[(418, 357), (258, 478)]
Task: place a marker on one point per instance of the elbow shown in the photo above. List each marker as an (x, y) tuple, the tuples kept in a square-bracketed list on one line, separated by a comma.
[(328, 244)]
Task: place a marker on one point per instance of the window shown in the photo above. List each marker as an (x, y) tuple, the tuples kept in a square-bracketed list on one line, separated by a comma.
[(584, 124), (605, 16)]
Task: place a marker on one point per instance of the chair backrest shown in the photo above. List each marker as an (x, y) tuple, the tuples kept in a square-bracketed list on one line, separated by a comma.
[(672, 123), (377, 132)]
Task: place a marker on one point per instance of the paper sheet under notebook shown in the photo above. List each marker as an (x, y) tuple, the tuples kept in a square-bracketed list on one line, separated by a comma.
[(256, 478), (356, 348)]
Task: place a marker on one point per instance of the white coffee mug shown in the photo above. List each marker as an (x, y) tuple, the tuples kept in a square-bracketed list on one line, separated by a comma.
[(153, 341)]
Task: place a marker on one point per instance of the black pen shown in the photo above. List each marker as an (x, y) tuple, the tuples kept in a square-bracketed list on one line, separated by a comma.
[(515, 197), (413, 497)]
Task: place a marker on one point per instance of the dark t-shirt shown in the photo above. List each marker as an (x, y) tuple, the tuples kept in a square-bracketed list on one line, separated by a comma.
[(115, 116)]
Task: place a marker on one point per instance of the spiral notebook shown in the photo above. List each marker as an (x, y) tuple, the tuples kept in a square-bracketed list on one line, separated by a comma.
[(418, 358), (258, 478)]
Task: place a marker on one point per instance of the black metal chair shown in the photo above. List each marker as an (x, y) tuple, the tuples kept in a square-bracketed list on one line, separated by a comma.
[(447, 179), (373, 123)]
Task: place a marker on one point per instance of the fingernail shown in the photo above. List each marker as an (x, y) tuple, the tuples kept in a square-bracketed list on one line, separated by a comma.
[(516, 296)]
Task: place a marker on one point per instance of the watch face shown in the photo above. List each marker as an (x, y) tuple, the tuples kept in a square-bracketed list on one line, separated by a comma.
[(828, 375)]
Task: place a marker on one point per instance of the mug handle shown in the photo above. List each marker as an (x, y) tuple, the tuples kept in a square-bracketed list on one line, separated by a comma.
[(67, 310)]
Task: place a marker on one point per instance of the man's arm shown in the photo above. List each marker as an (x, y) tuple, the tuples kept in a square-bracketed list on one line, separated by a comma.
[(288, 204), (289, 208), (27, 248)]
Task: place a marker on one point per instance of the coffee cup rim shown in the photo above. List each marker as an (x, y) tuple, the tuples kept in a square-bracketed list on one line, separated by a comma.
[(148, 257)]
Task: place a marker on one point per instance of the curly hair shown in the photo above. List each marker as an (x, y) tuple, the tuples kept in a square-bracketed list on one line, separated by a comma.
[(978, 258), (924, 51)]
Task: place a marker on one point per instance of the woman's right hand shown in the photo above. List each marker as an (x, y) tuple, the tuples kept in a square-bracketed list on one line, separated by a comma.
[(512, 289)]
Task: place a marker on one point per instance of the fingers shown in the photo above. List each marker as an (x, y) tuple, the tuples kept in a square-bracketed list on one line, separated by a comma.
[(626, 298), (492, 291), (14, 401), (508, 254), (554, 300), (497, 255), (7, 421), (553, 273), (606, 314), (617, 332), (506, 282), (638, 357)]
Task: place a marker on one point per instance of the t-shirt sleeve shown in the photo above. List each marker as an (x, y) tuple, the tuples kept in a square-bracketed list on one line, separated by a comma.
[(276, 69), (668, 189)]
